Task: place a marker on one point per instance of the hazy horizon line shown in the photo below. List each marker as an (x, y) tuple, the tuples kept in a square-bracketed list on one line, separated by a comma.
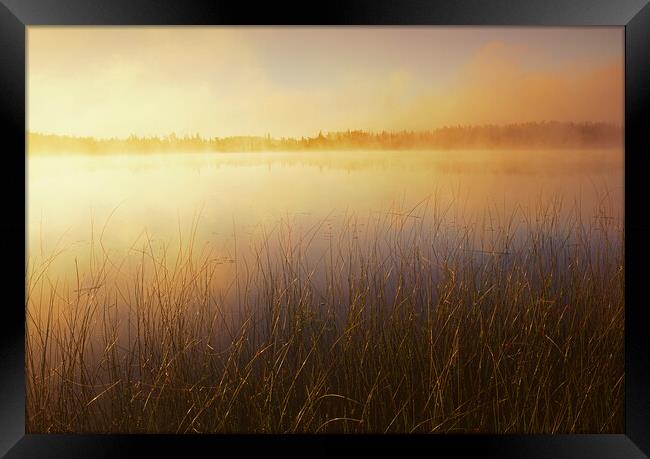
[(176, 135)]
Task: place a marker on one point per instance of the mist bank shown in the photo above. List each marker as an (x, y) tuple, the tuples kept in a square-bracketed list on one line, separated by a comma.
[(522, 135)]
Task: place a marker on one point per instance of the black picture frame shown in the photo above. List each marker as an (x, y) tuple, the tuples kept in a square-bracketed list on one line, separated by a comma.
[(634, 15)]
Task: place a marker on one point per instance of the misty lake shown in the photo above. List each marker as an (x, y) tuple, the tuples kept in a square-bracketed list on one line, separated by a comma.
[(218, 199), (184, 250)]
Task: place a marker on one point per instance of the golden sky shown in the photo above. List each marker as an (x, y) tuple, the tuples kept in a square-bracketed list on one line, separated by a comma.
[(290, 81)]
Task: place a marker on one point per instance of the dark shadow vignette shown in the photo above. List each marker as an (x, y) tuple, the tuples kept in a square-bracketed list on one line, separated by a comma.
[(637, 230), (501, 446), (355, 12), (12, 229)]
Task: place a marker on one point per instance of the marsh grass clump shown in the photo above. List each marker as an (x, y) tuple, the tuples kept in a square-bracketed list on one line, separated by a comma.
[(403, 322)]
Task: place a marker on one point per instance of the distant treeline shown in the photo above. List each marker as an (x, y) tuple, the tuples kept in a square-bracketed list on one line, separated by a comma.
[(550, 134)]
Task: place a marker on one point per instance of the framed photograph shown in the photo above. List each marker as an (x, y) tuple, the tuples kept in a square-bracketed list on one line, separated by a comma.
[(354, 228)]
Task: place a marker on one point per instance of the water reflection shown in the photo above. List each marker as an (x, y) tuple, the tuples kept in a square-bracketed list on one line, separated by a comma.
[(226, 202)]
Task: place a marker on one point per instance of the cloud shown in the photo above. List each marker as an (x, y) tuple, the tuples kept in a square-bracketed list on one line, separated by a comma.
[(496, 87), (157, 81)]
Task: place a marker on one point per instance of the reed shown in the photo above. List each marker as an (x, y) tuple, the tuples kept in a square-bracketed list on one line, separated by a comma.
[(409, 321)]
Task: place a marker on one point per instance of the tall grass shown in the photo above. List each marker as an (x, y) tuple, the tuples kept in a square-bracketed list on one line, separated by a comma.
[(404, 322)]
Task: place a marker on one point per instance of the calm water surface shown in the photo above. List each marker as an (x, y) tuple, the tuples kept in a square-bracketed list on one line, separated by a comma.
[(225, 201)]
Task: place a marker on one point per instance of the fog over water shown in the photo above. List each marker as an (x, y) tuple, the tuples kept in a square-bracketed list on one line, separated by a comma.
[(226, 204)]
